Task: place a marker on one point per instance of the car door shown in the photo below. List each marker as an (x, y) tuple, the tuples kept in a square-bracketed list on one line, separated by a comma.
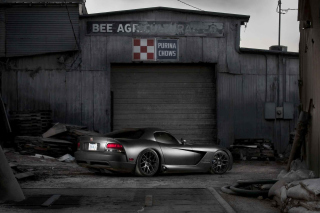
[(173, 151)]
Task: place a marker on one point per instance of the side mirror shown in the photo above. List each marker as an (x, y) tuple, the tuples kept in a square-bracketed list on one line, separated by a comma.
[(183, 141)]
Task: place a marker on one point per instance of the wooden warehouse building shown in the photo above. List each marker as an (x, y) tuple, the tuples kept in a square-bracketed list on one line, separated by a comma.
[(309, 76), (180, 70)]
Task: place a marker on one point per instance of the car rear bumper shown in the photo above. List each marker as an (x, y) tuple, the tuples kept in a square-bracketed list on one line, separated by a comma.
[(102, 160)]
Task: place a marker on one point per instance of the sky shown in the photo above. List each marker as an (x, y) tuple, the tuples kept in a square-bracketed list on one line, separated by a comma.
[(261, 31)]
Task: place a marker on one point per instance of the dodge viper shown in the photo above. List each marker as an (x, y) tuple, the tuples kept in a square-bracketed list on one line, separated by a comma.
[(147, 151)]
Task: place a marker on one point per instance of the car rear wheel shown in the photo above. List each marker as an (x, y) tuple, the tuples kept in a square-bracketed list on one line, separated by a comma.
[(220, 163), (147, 163)]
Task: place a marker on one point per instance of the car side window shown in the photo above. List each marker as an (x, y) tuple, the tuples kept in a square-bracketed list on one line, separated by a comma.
[(163, 137)]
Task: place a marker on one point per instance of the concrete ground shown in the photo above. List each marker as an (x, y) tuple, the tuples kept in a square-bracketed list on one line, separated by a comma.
[(84, 191)]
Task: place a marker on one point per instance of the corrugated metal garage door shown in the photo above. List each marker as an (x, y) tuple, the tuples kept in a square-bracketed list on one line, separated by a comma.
[(178, 98)]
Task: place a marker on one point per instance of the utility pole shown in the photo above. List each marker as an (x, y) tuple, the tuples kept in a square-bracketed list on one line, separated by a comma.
[(279, 5)]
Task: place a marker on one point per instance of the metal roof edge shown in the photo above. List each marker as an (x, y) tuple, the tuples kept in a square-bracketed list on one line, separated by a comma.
[(261, 51), (41, 2), (244, 17)]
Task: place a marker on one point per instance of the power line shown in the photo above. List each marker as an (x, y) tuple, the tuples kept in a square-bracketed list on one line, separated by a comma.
[(74, 34), (189, 5), (75, 38)]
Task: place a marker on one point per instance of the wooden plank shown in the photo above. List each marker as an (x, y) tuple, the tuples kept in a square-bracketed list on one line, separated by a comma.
[(261, 64), (56, 129), (249, 110), (284, 125), (87, 99), (99, 53), (263, 130), (194, 49), (183, 56), (101, 102), (272, 65), (161, 15), (210, 50), (57, 100), (73, 97), (272, 88), (233, 60), (225, 110), (51, 200), (85, 42), (24, 93), (24, 175), (119, 49), (248, 64), (9, 90), (292, 66), (40, 83), (222, 64)]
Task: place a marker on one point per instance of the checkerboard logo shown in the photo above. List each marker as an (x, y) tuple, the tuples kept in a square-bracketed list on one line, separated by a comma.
[(143, 49)]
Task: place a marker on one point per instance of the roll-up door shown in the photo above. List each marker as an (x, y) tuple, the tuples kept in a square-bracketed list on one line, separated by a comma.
[(178, 98)]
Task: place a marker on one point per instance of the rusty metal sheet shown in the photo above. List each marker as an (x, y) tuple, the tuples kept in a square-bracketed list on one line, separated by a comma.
[(156, 28)]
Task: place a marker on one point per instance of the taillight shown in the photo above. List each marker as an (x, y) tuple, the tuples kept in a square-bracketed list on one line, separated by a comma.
[(78, 145), (115, 147)]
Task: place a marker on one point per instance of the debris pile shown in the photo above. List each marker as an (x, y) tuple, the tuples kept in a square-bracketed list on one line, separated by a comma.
[(18, 173), (59, 140), (30, 145), (31, 123), (35, 134), (246, 149), (296, 191)]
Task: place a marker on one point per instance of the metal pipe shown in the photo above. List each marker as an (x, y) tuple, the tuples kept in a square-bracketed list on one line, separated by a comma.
[(279, 4)]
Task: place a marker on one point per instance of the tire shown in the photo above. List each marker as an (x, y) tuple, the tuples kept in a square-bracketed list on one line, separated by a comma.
[(147, 163), (250, 193), (220, 163)]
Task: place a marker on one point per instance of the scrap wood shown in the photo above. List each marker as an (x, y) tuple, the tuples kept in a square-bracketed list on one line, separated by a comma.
[(48, 146), (72, 127), (42, 156), (301, 132), (51, 200), (24, 175), (4, 116), (12, 165), (56, 129), (79, 132)]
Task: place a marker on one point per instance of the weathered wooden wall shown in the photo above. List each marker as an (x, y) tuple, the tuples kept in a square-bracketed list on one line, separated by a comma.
[(309, 73), (245, 81)]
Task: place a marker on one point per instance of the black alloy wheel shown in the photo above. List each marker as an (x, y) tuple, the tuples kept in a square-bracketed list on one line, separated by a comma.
[(147, 163), (220, 163)]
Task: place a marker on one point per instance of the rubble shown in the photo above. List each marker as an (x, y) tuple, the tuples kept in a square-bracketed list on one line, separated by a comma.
[(31, 123), (298, 171), (35, 134), (38, 145), (296, 190), (252, 148), (56, 129), (66, 158)]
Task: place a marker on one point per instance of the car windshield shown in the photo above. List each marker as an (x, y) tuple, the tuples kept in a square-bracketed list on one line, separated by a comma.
[(129, 134)]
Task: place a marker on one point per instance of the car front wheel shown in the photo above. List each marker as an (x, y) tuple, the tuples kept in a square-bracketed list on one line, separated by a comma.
[(220, 163)]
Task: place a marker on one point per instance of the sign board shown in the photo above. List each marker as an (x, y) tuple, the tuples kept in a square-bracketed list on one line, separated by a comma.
[(155, 49), (167, 49), (143, 49), (156, 28)]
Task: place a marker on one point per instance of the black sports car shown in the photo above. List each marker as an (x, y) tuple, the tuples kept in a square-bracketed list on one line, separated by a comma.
[(147, 151)]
